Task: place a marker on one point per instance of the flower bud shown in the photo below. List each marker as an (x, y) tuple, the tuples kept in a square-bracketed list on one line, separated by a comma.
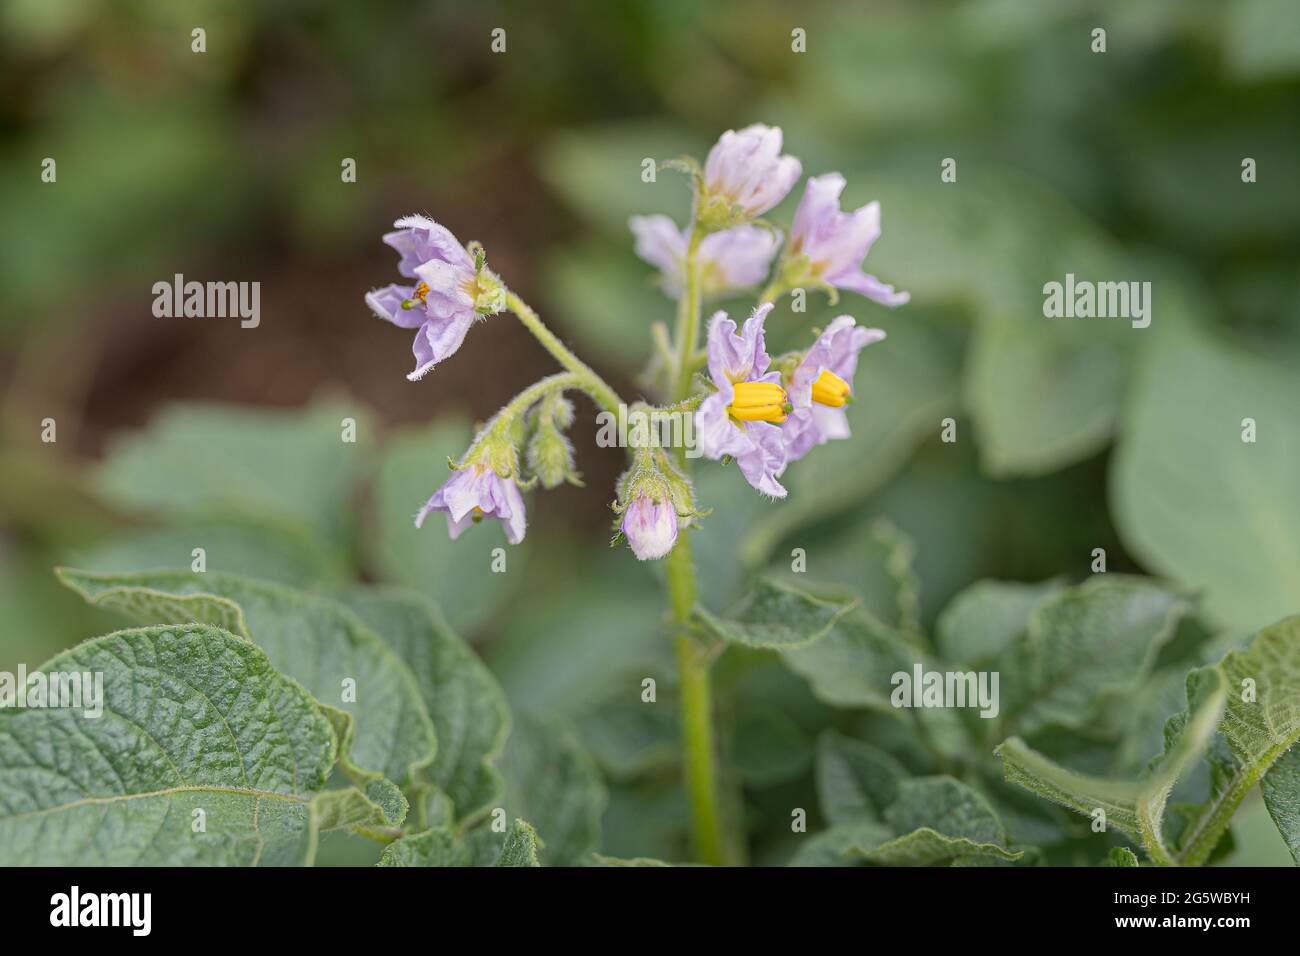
[(650, 527), (550, 453)]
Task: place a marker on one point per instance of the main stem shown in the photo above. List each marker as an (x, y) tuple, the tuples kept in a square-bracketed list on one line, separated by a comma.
[(698, 737)]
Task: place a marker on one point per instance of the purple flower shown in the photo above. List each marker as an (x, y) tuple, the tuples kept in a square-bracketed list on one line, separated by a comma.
[(821, 386), (730, 260), (746, 169), (742, 417), (835, 243), (650, 527), (441, 305), (473, 493)]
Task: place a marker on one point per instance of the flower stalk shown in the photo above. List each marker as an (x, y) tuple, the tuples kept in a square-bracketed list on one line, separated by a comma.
[(587, 379)]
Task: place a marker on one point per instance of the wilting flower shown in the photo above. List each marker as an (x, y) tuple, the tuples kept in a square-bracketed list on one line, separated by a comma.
[(473, 493), (821, 386), (730, 260), (745, 175), (828, 246), (742, 418), (650, 527), (452, 288)]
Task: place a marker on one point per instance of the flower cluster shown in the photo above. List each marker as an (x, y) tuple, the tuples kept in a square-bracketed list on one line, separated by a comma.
[(761, 413)]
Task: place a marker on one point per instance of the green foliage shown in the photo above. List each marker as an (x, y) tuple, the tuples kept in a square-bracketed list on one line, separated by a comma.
[(1185, 456), (198, 729)]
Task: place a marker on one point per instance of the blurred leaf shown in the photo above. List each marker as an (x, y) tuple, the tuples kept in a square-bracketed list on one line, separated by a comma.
[(254, 548), (1195, 501), (285, 467), (465, 703), (841, 845), (939, 820), (855, 781), (767, 747), (983, 620), (851, 665), (775, 615), (551, 780), (1084, 647), (874, 558), (598, 172)]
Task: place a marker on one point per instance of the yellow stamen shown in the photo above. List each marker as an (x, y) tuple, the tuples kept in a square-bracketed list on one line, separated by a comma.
[(830, 389), (759, 402), (421, 292)]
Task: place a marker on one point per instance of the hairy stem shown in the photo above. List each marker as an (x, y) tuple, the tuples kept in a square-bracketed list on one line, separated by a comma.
[(699, 743), (588, 380), (688, 318), (697, 710)]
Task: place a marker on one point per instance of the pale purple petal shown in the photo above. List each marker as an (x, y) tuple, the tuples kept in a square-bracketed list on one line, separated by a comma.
[(660, 243), (477, 491), (651, 529), (746, 168), (801, 434), (387, 304), (836, 351), (737, 258), (837, 242), (736, 357), (763, 458), (871, 287), (713, 426), (418, 240), (831, 422)]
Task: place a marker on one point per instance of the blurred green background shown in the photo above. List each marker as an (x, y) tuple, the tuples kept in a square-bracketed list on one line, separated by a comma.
[(1072, 435)]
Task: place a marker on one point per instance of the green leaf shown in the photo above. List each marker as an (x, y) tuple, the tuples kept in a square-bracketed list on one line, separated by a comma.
[(1137, 808), (520, 847), (851, 665), (311, 638), (1121, 856), (436, 847), (551, 781), (775, 615), (1260, 724), (464, 701), (842, 845), (458, 575), (1281, 788), (873, 558), (855, 781), (285, 466), (1183, 455), (194, 718), (637, 861), (284, 553), (983, 620), (768, 747), (1085, 647), (938, 821), (442, 846), (381, 805)]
